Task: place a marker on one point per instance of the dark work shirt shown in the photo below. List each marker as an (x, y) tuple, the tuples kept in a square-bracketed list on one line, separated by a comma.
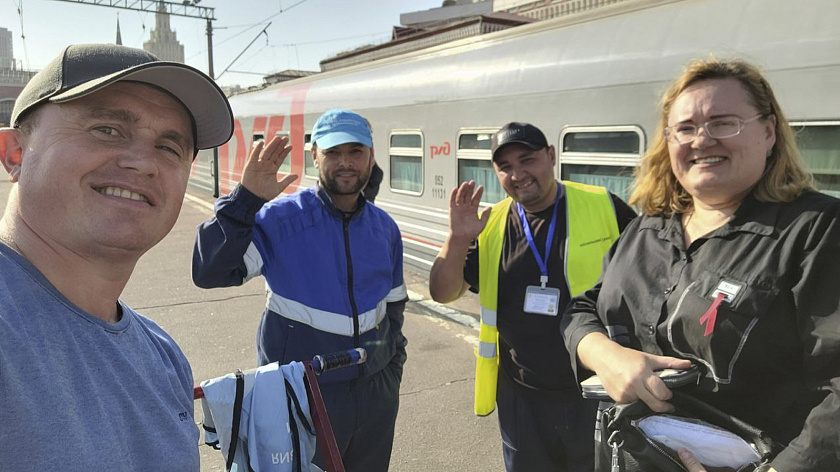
[(773, 355), (530, 346)]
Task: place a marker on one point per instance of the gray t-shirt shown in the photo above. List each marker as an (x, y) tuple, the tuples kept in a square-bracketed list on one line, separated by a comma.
[(80, 394)]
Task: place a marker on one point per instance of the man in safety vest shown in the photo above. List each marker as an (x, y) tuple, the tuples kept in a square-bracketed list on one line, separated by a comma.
[(526, 257)]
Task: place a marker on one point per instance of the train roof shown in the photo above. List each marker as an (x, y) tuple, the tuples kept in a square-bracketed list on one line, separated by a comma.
[(621, 44)]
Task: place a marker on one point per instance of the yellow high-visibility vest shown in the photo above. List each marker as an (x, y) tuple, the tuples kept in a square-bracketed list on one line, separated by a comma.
[(591, 228)]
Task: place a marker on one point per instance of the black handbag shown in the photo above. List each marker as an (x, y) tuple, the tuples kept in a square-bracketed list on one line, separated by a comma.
[(623, 447)]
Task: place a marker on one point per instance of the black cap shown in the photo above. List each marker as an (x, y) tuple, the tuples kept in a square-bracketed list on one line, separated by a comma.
[(83, 69), (518, 133)]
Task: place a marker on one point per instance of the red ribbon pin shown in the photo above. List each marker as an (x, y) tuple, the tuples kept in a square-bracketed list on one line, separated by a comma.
[(711, 314)]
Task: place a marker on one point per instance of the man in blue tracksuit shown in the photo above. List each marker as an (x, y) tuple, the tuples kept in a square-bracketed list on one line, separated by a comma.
[(333, 268)]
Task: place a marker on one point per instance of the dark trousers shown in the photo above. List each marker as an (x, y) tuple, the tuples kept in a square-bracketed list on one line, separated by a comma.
[(362, 414), (544, 435)]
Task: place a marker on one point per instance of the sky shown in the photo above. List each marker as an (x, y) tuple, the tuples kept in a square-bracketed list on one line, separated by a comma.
[(301, 34)]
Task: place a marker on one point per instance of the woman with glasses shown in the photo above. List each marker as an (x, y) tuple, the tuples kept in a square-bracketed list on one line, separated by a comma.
[(733, 266)]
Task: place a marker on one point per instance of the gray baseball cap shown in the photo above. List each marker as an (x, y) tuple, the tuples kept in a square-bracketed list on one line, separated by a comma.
[(83, 69)]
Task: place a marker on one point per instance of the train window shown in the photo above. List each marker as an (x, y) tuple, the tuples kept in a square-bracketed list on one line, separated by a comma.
[(616, 178), (406, 162), (256, 137), (286, 166), (474, 163), (819, 143), (620, 142), (482, 172), (309, 169), (602, 155), (407, 140), (474, 141)]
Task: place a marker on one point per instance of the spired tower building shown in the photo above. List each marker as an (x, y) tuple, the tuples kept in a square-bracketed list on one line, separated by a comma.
[(163, 42)]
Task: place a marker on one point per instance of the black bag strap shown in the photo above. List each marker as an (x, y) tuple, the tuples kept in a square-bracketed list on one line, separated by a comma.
[(765, 445), (690, 406), (237, 414), (292, 398), (290, 392), (214, 444), (716, 417)]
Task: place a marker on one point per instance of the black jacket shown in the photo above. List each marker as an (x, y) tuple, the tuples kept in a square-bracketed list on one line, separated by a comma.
[(773, 357)]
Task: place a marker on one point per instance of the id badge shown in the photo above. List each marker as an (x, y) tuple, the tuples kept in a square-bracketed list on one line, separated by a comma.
[(542, 300)]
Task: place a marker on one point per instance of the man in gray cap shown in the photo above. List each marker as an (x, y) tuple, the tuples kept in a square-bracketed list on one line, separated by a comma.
[(526, 257), (99, 152), (333, 268)]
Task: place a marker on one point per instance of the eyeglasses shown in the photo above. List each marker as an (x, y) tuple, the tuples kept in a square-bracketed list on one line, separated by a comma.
[(719, 128)]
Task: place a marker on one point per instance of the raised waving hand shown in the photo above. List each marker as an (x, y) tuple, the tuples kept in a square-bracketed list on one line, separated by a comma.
[(446, 279), (260, 173), (465, 224)]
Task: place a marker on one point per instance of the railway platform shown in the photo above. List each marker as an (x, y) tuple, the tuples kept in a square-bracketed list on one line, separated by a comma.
[(216, 329)]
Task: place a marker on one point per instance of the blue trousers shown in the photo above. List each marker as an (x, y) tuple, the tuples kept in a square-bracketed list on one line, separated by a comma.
[(544, 435), (362, 414)]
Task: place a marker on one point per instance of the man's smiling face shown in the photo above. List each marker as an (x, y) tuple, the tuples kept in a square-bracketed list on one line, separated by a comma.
[(107, 171)]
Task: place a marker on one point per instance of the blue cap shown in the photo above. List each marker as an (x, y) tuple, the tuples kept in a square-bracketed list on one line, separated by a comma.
[(337, 127)]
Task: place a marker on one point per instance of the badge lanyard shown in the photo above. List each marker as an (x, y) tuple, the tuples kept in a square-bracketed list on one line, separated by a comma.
[(542, 261)]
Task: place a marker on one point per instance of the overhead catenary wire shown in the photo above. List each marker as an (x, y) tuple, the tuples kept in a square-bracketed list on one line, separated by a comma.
[(19, 6), (249, 27), (243, 51), (321, 41), (295, 47), (142, 16), (253, 55), (262, 74)]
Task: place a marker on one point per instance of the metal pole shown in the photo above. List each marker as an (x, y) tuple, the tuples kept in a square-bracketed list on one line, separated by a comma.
[(210, 73)]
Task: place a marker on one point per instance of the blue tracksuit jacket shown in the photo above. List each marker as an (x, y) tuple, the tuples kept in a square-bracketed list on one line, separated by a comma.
[(334, 280)]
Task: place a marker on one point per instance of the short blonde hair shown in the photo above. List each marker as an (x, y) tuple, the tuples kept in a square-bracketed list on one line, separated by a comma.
[(656, 190)]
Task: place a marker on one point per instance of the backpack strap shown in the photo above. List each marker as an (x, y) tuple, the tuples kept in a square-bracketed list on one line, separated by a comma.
[(237, 414), (291, 398)]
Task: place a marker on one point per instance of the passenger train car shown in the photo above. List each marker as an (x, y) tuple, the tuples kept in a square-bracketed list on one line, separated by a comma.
[(590, 81)]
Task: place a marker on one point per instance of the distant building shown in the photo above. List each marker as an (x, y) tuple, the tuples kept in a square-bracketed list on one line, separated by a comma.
[(7, 56), (12, 79), (283, 76), (451, 11), (548, 9), (231, 89), (163, 42), (458, 19), (413, 38), (119, 35), (504, 5)]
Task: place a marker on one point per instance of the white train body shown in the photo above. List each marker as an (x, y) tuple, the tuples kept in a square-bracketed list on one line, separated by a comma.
[(590, 81)]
